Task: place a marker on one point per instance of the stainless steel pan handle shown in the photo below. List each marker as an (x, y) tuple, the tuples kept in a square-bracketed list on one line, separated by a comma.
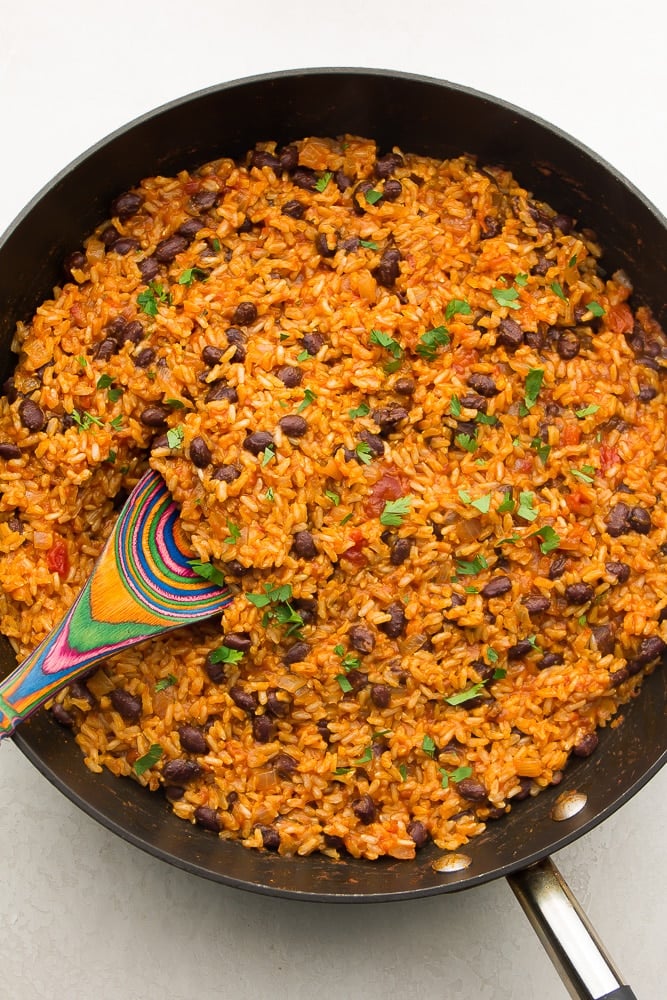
[(567, 935)]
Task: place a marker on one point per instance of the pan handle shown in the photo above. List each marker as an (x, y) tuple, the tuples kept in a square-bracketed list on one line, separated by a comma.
[(567, 935)]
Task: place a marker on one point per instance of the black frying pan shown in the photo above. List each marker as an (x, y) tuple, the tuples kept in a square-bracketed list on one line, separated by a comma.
[(429, 117)]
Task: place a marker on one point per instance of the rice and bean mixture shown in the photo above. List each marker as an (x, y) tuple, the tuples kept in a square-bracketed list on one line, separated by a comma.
[(415, 427)]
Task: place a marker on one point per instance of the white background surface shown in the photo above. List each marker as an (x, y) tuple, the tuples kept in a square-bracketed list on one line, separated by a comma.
[(84, 915)]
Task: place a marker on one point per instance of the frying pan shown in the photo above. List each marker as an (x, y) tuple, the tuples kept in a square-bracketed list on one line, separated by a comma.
[(433, 118)]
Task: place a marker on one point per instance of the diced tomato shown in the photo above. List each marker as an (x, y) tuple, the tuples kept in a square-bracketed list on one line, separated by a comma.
[(571, 434), (57, 558), (523, 464), (608, 457), (388, 487), (619, 318), (578, 502), (355, 553)]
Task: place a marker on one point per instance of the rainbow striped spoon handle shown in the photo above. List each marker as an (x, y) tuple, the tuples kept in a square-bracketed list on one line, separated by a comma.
[(142, 585)]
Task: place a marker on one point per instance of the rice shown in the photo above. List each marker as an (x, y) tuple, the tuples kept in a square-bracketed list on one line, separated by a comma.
[(419, 431)]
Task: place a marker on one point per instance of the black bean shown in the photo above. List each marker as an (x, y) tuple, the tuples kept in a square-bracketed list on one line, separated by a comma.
[(214, 671), (245, 314), (284, 764), (257, 442), (472, 790), (189, 229), (15, 523), (418, 832), (313, 343), (381, 695), (535, 603), (211, 355), (293, 209), (200, 453), (9, 450), (221, 390), (303, 545), (492, 227), (127, 705), (204, 200), (106, 348), (322, 246), (375, 443), (471, 401), (650, 649), (618, 522), (74, 261), (405, 386), (226, 473), (397, 620), (246, 226), (388, 416), (240, 641), (126, 205), (510, 334), (296, 653), (334, 842), (323, 729), (307, 608), (400, 551), (519, 649), (124, 245), (620, 570), (109, 235), (169, 248), (294, 426), (483, 384), (270, 837), (263, 729), (132, 333), (290, 376), (144, 358), (289, 158), (208, 818), (362, 639), (640, 520), (619, 676), (392, 190), (357, 680), (181, 771), (496, 587), (304, 178), (388, 270), (603, 637), (80, 691), (350, 244), (550, 660), (192, 739), (261, 158), (534, 339), (247, 700), (149, 268), (154, 416), (387, 164), (579, 593), (564, 223), (278, 708), (567, 345), (557, 567), (585, 746), (364, 809), (235, 568), (61, 715), (343, 182)]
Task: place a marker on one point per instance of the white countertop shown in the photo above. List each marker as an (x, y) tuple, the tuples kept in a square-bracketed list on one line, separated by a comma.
[(83, 914)]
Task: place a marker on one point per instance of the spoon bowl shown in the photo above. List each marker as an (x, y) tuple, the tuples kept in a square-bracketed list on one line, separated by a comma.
[(146, 581)]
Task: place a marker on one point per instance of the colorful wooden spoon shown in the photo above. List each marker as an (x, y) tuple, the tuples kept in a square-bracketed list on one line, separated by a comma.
[(143, 584)]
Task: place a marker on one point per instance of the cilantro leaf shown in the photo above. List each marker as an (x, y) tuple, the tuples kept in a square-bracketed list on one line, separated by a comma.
[(542, 449), (550, 538), (360, 411), (322, 182), (455, 406), (507, 504), (368, 244), (334, 497), (457, 306), (268, 454), (343, 683), (467, 442), (386, 341), (526, 509), (207, 571), (430, 341), (364, 453), (394, 511), (506, 297), (557, 289), (457, 775), (165, 682), (104, 381), (482, 504), (583, 476), (149, 299), (534, 380), (521, 280), (234, 533), (428, 745), (595, 308), (373, 196), (223, 654), (308, 398), (468, 695), (471, 568), (587, 411), (151, 757), (175, 437), (191, 275)]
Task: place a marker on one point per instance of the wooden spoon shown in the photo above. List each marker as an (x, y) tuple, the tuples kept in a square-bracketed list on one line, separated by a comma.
[(143, 584)]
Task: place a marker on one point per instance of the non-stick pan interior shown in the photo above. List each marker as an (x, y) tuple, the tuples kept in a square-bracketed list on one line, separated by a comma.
[(419, 115)]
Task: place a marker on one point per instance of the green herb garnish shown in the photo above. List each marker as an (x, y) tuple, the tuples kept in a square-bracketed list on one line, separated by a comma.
[(471, 568), (343, 683), (587, 411), (542, 449), (85, 420), (234, 533), (364, 453), (207, 571), (322, 182), (165, 682), (506, 297), (457, 306), (403, 771), (526, 509), (369, 244), (365, 758), (429, 342), (491, 654), (386, 341), (466, 441), (534, 380), (462, 696), (521, 280), (482, 504), (360, 411), (104, 381), (550, 538), (595, 308), (192, 274), (267, 455), (428, 745), (394, 511), (175, 436), (488, 419), (507, 504), (223, 654), (302, 356), (557, 289), (373, 196), (149, 299), (457, 775), (583, 476), (308, 398), (151, 757), (335, 499), (455, 406)]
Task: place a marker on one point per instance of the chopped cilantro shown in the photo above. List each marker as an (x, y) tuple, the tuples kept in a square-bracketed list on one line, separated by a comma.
[(534, 380), (595, 308), (499, 674), (455, 406), (342, 770), (467, 442), (491, 654), (339, 650), (85, 420), (364, 453), (104, 381), (458, 699), (149, 299), (151, 757), (366, 757), (582, 620), (111, 458), (507, 505), (280, 594), (373, 196), (302, 356), (335, 499), (428, 745), (117, 422), (557, 289), (465, 497), (113, 395), (526, 509), (267, 455), (208, 571), (343, 683), (175, 404), (583, 476), (175, 437), (482, 504), (234, 533), (191, 275), (587, 411), (457, 775), (429, 342), (506, 297), (467, 568), (322, 182), (360, 411), (521, 280), (512, 540), (457, 306), (215, 244), (369, 244), (308, 398), (386, 341), (394, 511), (489, 419), (165, 682), (223, 654), (550, 538), (348, 517), (82, 361), (572, 261), (541, 448), (403, 771)]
